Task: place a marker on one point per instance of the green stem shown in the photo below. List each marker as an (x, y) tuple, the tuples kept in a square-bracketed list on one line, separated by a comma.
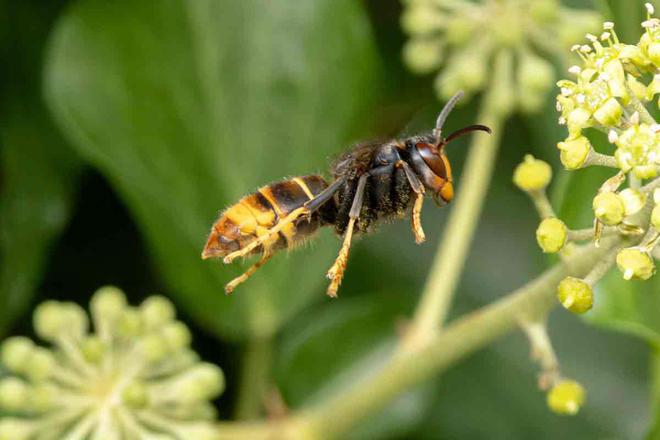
[(255, 378), (336, 415), (453, 249)]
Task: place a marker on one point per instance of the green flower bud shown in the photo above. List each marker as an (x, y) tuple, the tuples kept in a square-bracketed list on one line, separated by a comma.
[(654, 53), (655, 217), (50, 320), (609, 113), (551, 235), (421, 19), (156, 311), (176, 335), (566, 397), (422, 55), (574, 153), (93, 349), (40, 364), (577, 120), (135, 395), (609, 208), (544, 11), (635, 264), (575, 295), (459, 30), (201, 382), (153, 347), (13, 428), (14, 394), (15, 353), (535, 77), (130, 323), (633, 201), (107, 303), (532, 174)]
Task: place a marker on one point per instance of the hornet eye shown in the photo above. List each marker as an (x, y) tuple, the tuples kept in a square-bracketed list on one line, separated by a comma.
[(432, 158)]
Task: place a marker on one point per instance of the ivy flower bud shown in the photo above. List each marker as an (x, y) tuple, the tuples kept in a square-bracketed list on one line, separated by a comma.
[(422, 55), (633, 200), (107, 303), (15, 353), (13, 394), (156, 311), (635, 264), (535, 77), (566, 397), (575, 295), (40, 364), (609, 113), (574, 153), (551, 235), (532, 174), (609, 208), (655, 217), (577, 120)]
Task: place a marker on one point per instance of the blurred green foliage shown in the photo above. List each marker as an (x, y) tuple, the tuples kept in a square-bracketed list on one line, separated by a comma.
[(184, 106)]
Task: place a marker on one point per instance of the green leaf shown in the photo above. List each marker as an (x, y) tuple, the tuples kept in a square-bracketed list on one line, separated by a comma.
[(335, 347), (186, 105), (654, 430), (39, 173), (38, 170)]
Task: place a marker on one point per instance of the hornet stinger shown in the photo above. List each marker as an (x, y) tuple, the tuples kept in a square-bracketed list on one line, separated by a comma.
[(371, 182)]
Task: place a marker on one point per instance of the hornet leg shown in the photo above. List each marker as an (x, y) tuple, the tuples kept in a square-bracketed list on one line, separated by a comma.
[(418, 188), (336, 272)]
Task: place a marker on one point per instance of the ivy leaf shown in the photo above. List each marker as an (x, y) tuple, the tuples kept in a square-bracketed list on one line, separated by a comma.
[(186, 105), (39, 173)]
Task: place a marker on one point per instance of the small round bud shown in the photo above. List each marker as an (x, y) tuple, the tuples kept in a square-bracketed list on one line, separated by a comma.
[(14, 428), (135, 395), (130, 323), (156, 310), (77, 321), (153, 347), (608, 208), (655, 217), (421, 19), (575, 295), (422, 55), (50, 320), (551, 235), (107, 303), (14, 394), (532, 174), (574, 153), (176, 335), (202, 382), (576, 121), (635, 264), (544, 11), (609, 113), (566, 397), (93, 349), (15, 353), (40, 364), (633, 200)]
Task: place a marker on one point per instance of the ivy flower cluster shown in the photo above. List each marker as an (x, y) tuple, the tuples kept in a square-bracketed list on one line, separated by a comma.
[(468, 35), (133, 376), (614, 89)]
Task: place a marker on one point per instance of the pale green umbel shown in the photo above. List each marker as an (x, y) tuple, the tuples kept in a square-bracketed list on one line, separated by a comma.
[(466, 36), (132, 375)]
